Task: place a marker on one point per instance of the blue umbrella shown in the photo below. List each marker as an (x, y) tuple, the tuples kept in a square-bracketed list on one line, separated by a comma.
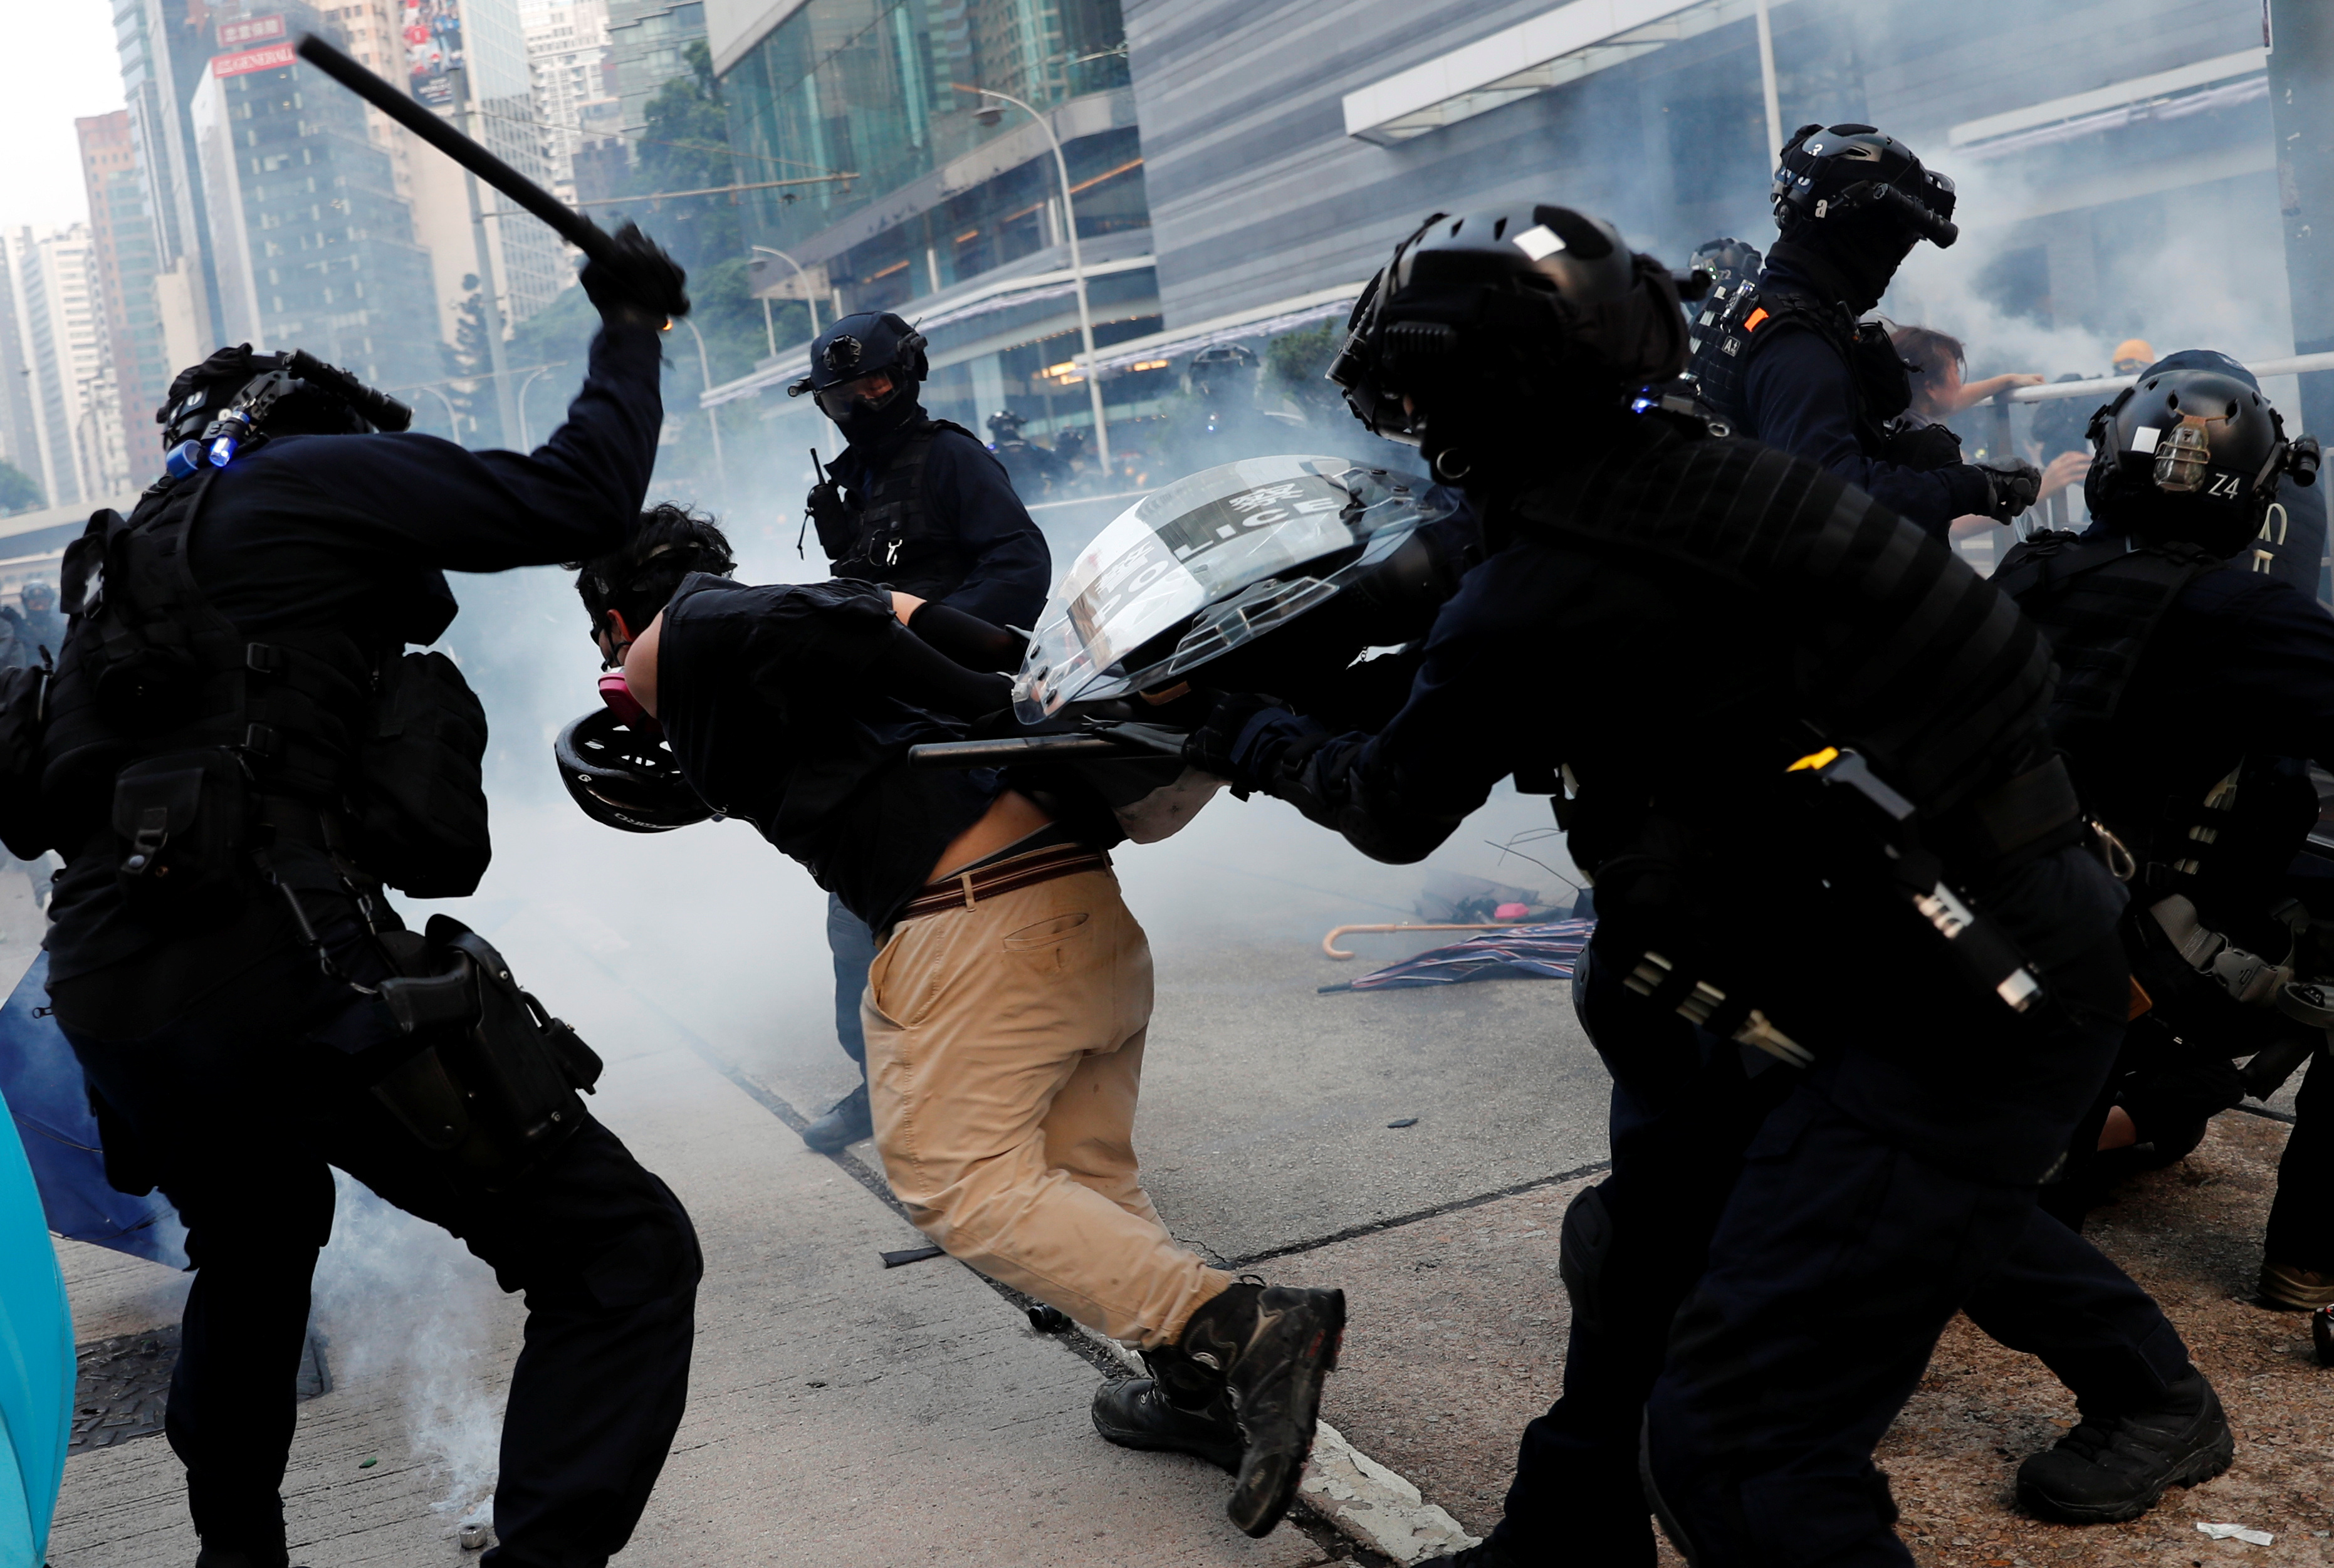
[(41, 1080)]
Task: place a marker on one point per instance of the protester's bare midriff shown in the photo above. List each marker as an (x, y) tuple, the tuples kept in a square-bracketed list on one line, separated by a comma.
[(1010, 817)]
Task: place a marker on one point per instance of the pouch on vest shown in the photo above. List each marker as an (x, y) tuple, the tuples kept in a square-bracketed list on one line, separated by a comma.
[(24, 825), (421, 798), (494, 1089), (179, 823)]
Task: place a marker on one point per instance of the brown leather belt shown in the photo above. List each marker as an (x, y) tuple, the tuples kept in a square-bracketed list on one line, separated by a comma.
[(968, 888)]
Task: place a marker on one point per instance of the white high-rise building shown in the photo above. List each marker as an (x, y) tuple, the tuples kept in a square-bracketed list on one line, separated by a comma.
[(64, 362), (566, 59)]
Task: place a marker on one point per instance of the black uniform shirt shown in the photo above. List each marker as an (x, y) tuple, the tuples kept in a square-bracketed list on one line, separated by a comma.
[(790, 705), (1799, 396), (1008, 571), (355, 532), (2241, 665)]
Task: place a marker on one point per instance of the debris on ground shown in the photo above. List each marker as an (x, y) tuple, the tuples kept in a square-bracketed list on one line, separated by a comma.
[(1543, 952)]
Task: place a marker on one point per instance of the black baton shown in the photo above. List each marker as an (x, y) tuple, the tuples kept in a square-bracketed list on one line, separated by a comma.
[(396, 103)]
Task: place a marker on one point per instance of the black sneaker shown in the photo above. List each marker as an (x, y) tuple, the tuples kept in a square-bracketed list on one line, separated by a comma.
[(1136, 1415), (846, 1122), (2118, 1468), (1274, 1345)]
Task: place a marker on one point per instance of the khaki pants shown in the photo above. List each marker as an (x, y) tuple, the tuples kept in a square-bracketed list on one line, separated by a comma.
[(1004, 1053)]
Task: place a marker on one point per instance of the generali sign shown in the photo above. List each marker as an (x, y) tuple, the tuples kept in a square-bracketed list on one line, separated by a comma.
[(251, 60)]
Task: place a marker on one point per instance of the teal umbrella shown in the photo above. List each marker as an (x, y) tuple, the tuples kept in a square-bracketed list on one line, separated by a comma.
[(36, 1362)]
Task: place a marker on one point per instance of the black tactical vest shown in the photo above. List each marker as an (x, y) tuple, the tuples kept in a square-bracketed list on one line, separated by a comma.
[(893, 537), (1730, 333), (2098, 601), (202, 746)]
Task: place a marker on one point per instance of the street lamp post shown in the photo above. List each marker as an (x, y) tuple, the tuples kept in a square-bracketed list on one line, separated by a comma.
[(810, 297), (1077, 265), (712, 415), (453, 424), (525, 436)]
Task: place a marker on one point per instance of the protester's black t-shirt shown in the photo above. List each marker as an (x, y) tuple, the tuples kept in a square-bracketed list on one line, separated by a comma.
[(793, 706), (356, 532)]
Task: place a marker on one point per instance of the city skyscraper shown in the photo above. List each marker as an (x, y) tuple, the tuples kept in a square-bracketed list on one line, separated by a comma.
[(126, 264), (312, 246), (576, 107), (63, 361)]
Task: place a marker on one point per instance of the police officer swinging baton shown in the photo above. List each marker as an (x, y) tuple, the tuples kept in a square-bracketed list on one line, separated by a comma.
[(399, 105)]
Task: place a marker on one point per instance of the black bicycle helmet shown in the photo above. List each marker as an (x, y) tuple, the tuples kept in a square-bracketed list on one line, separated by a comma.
[(624, 779)]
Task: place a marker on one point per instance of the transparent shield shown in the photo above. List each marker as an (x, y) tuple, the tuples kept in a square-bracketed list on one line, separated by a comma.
[(1225, 554)]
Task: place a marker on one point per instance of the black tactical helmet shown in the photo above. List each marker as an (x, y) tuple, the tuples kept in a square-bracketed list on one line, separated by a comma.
[(1728, 262), (2191, 451), (1495, 312), (622, 778), (859, 345), (290, 393), (1005, 425), (1857, 176)]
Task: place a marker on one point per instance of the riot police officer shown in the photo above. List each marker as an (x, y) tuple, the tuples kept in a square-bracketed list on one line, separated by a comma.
[(1787, 362), (920, 505), (237, 757), (2196, 687), (36, 625), (1034, 470), (1894, 1050)]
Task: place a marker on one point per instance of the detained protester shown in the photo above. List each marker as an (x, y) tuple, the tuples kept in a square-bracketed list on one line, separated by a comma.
[(2196, 692), (919, 505), (1830, 1115), (237, 757), (1007, 1007), (1788, 362)]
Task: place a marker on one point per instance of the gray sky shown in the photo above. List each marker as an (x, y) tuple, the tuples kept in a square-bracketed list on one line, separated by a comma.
[(60, 66)]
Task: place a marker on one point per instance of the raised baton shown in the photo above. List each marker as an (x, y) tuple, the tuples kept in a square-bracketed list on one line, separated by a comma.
[(396, 103)]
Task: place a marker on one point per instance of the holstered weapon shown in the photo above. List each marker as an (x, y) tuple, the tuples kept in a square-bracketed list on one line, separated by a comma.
[(492, 1087)]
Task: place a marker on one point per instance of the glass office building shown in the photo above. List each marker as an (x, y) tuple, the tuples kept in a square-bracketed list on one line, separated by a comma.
[(910, 199)]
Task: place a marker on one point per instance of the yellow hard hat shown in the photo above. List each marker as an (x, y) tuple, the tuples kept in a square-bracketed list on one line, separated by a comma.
[(2134, 352)]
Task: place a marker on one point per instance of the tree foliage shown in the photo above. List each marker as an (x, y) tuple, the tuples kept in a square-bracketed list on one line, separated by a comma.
[(19, 492)]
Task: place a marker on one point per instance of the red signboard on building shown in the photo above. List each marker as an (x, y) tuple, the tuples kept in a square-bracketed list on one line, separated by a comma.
[(251, 60), (251, 30)]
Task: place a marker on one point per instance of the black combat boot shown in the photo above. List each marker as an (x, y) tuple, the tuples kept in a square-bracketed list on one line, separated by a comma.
[(846, 1122), (1274, 1344), (1483, 1555), (1182, 1408), (2110, 1468)]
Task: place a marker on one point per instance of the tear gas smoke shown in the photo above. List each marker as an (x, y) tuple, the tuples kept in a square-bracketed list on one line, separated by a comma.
[(401, 1302)]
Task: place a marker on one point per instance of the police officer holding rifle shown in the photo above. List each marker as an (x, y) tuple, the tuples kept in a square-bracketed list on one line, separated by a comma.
[(1831, 1114), (238, 759)]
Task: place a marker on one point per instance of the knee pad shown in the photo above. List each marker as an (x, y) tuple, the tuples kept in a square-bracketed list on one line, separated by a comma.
[(1584, 1241)]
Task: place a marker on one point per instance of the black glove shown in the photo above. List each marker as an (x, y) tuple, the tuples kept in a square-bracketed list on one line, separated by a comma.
[(2014, 486), (641, 285), (824, 508), (1214, 747)]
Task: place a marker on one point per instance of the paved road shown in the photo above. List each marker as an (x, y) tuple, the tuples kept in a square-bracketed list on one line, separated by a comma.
[(841, 1412)]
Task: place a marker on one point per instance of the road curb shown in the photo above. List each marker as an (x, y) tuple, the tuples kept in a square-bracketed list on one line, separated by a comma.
[(1365, 1500)]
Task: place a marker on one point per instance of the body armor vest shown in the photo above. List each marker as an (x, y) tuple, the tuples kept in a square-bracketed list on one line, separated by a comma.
[(152, 665), (205, 745), (2098, 601), (1731, 331), (891, 537)]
